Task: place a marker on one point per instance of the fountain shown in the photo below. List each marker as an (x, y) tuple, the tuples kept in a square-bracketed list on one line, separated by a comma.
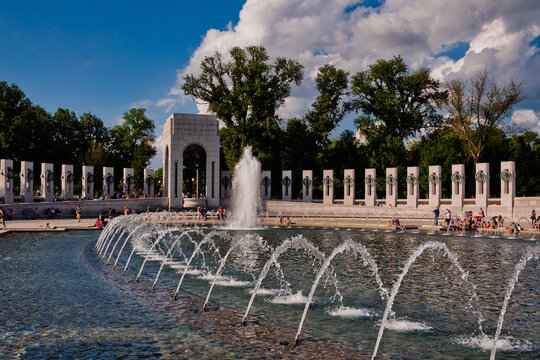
[(355, 267), (246, 192), (178, 248)]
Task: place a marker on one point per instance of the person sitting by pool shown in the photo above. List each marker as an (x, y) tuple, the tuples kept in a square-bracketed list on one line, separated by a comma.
[(99, 223), (514, 228), (3, 217), (288, 221)]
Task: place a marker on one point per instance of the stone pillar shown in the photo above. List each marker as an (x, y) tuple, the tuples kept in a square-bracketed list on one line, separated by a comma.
[(328, 187), (27, 181), (286, 185), (348, 187), (212, 177), (128, 181), (391, 187), (458, 186), (481, 178), (6, 180), (266, 184), (47, 182), (225, 183), (67, 181), (370, 187), (88, 182), (508, 183), (149, 181), (434, 186), (307, 185), (413, 186), (108, 182)]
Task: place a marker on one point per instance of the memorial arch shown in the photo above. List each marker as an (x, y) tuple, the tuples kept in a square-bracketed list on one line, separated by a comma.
[(191, 159)]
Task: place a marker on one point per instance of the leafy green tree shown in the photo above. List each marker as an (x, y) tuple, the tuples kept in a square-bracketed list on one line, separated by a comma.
[(158, 177), (92, 130), (393, 101), (328, 109), (441, 147), (306, 140), (25, 128), (245, 93), (524, 149), (66, 136), (345, 152), (395, 105), (478, 106), (132, 143), (13, 103), (31, 137)]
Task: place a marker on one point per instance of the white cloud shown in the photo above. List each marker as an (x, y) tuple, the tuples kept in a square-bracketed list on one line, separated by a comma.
[(167, 103), (157, 160), (141, 104), (317, 32), (527, 119)]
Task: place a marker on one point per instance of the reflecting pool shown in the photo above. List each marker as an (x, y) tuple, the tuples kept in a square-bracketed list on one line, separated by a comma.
[(58, 297)]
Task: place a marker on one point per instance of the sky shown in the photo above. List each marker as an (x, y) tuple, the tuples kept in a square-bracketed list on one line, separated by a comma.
[(105, 57)]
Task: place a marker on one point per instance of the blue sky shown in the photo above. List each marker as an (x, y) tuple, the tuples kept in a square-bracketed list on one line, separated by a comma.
[(104, 57)]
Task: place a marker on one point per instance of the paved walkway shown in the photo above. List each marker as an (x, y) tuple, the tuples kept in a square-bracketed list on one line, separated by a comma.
[(54, 225), (23, 225)]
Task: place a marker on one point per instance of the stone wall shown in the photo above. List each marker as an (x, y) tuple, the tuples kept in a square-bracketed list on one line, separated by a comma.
[(90, 208)]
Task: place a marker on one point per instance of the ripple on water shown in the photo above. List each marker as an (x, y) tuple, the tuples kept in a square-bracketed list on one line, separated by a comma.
[(268, 292), (406, 325), (225, 280), (350, 312), (504, 343), (291, 299)]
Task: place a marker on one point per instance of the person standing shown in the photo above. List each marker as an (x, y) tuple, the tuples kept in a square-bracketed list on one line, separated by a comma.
[(436, 214), (533, 217), (78, 213), (448, 216)]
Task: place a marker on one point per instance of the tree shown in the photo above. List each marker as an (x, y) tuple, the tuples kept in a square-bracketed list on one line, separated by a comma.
[(328, 109), (395, 102), (524, 149), (132, 142), (92, 129), (245, 93), (158, 177), (307, 140), (478, 106), (23, 125), (441, 147), (66, 137)]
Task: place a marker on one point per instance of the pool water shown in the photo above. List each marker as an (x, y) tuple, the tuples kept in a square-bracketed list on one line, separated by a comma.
[(57, 299)]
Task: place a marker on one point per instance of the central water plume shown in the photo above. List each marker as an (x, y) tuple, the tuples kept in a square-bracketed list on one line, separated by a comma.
[(246, 191)]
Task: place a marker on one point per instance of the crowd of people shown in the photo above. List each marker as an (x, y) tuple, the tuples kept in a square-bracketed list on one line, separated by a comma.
[(204, 214), (453, 222)]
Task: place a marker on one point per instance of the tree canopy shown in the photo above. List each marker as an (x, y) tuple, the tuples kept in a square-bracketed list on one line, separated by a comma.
[(477, 106), (394, 101), (245, 92), (399, 120), (31, 133)]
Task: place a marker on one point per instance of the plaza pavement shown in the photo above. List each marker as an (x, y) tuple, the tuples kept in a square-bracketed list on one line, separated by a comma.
[(24, 225), (38, 225)]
